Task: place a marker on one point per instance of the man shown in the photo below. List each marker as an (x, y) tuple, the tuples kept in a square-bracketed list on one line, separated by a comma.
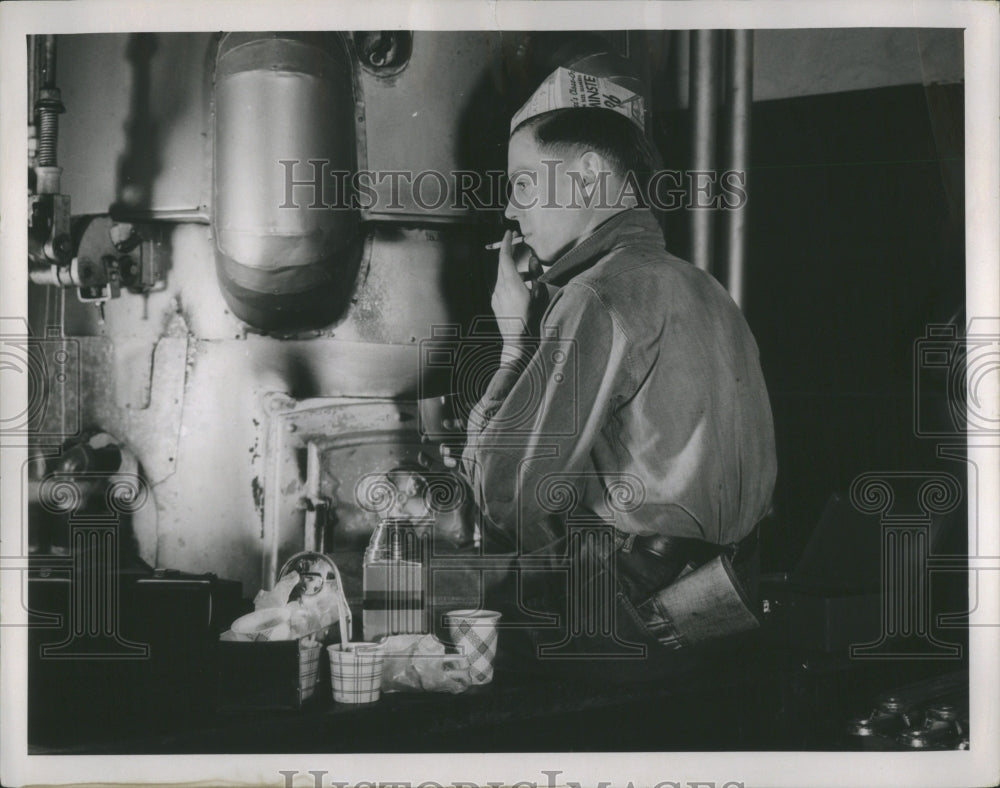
[(642, 395)]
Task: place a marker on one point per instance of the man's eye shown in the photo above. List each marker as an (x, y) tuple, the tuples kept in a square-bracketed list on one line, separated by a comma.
[(518, 186)]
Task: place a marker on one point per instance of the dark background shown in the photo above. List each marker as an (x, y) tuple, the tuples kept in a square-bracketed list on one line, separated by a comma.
[(856, 245)]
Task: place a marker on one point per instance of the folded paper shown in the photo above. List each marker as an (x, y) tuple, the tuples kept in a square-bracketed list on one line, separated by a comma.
[(565, 88)]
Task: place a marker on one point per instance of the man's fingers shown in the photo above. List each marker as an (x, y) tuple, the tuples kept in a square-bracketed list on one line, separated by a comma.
[(506, 245), (507, 267)]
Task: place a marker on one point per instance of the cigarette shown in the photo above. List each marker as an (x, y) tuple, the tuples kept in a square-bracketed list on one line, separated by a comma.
[(517, 239)]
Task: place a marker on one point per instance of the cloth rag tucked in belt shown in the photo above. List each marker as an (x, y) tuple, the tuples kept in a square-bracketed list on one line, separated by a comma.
[(688, 591)]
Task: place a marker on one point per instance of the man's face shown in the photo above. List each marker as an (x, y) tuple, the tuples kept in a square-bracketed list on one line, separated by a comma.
[(544, 200)]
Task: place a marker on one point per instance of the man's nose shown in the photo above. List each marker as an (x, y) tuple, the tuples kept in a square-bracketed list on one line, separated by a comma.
[(511, 212)]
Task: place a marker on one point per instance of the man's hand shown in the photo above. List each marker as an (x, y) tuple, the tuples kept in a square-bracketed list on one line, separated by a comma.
[(511, 296)]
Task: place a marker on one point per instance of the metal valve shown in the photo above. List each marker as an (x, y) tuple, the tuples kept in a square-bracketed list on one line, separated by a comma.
[(889, 718), (942, 729)]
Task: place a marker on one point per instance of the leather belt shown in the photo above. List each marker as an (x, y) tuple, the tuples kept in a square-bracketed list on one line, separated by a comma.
[(696, 551)]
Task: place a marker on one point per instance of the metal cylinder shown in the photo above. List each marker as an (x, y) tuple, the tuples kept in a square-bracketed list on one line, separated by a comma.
[(32, 75), (48, 61), (47, 179), (739, 102), (55, 275), (704, 89), (284, 121)]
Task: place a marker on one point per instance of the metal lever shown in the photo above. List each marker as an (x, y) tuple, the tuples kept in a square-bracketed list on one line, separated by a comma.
[(316, 506), (315, 524)]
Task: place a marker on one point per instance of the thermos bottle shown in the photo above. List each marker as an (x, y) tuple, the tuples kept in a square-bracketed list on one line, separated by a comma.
[(394, 583)]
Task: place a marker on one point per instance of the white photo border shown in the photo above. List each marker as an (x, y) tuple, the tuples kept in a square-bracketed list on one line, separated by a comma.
[(978, 766)]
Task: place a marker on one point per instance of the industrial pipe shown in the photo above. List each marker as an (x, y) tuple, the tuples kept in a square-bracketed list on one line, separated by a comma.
[(739, 101), (49, 61), (32, 76), (704, 89), (54, 275)]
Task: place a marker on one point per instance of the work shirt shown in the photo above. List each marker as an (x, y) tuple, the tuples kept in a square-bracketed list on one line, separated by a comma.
[(642, 402)]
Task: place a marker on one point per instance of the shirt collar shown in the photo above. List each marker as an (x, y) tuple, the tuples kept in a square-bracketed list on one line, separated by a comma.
[(631, 226)]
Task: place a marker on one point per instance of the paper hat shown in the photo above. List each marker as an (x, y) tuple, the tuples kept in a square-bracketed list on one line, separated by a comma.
[(569, 87)]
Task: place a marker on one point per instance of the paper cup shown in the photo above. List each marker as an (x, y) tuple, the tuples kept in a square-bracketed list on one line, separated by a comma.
[(474, 633), (356, 671)]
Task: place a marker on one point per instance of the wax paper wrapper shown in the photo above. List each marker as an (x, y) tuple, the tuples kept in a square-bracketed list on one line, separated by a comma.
[(418, 663), (280, 614)]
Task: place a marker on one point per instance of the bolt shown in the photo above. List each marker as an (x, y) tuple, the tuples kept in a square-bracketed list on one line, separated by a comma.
[(62, 246)]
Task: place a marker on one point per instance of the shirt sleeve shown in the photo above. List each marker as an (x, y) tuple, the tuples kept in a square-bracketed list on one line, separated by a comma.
[(541, 413)]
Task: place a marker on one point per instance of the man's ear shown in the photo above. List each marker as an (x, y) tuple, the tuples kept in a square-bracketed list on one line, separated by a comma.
[(591, 164)]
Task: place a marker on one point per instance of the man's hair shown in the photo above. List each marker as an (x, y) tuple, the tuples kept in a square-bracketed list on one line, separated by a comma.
[(612, 135)]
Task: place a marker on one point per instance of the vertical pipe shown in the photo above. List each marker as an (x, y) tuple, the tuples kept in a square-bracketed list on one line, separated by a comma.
[(739, 101), (49, 62), (48, 105), (704, 80), (32, 78)]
